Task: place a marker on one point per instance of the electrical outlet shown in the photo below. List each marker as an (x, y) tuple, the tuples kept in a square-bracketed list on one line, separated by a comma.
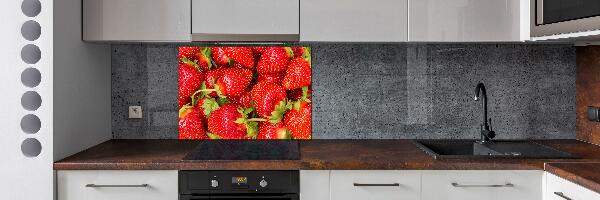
[(135, 112)]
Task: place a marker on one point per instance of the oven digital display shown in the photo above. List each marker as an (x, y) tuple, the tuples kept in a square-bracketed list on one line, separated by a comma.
[(239, 180)]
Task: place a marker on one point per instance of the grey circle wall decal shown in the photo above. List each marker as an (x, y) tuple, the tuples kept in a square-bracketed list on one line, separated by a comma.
[(31, 30), (31, 147), (30, 124), (31, 100), (31, 8), (31, 77), (31, 54)]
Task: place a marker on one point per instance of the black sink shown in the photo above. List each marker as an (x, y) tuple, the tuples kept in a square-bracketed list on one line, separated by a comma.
[(470, 149)]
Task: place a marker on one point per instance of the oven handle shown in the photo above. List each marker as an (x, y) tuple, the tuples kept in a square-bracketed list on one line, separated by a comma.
[(242, 196)]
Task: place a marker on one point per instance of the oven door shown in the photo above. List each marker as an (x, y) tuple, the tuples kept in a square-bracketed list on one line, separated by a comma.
[(551, 17), (241, 197)]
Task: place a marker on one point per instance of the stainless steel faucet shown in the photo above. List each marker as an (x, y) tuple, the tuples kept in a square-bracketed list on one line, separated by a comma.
[(487, 134)]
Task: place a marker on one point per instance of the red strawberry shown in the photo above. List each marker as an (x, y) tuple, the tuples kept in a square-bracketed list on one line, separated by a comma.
[(190, 80), (188, 52), (298, 51), (272, 78), (219, 56), (297, 75), (274, 60), (298, 94), (268, 131), (258, 50), (269, 100), (191, 123), (244, 100), (207, 105), (241, 55), (203, 59), (298, 120), (211, 79), (229, 122), (233, 81)]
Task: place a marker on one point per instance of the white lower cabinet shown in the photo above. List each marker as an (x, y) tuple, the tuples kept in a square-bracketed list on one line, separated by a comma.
[(560, 189), (117, 185), (314, 184), (482, 185), (375, 185)]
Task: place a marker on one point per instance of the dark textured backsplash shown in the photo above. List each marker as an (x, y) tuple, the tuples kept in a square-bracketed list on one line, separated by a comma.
[(364, 91)]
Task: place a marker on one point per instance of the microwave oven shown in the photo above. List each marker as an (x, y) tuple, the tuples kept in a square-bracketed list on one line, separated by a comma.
[(554, 17)]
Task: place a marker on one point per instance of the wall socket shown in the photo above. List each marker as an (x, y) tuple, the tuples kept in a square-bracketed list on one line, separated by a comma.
[(135, 112)]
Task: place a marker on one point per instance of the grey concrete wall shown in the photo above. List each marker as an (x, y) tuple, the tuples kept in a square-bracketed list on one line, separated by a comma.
[(372, 91)]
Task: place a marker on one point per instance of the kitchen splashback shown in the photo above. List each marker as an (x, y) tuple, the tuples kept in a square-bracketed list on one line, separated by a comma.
[(376, 91)]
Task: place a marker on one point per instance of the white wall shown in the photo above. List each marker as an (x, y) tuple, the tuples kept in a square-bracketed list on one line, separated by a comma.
[(21, 177), (82, 109)]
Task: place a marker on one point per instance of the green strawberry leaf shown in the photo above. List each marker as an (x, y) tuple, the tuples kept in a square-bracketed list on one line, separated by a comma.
[(240, 120), (289, 51), (194, 63), (207, 53), (306, 55), (297, 106), (209, 105), (252, 129), (248, 110), (284, 134), (222, 101), (213, 136), (277, 114)]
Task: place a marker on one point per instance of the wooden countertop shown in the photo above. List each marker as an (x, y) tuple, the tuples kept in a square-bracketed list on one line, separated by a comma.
[(584, 174), (314, 155)]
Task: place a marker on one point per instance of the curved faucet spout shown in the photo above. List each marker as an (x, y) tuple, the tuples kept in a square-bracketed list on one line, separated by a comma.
[(486, 133)]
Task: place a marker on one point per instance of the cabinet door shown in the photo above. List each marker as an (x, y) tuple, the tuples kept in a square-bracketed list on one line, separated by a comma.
[(478, 185), (354, 20), (560, 189), (468, 20), (117, 185), (245, 20), (136, 20), (375, 185), (314, 185)]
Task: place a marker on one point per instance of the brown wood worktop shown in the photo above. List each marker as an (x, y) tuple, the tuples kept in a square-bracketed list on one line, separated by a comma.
[(584, 174), (314, 154)]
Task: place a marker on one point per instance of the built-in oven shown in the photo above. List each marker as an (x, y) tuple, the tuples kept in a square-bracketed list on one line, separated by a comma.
[(238, 185), (552, 17)]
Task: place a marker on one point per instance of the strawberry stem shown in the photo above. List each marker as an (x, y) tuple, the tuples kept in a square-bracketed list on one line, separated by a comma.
[(256, 120)]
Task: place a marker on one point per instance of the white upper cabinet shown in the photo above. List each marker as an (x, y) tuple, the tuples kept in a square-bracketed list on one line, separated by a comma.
[(469, 20), (354, 20), (245, 20), (136, 20)]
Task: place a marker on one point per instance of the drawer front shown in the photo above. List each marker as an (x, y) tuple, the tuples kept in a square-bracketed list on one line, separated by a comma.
[(375, 185), (477, 185), (560, 189), (117, 185), (240, 17)]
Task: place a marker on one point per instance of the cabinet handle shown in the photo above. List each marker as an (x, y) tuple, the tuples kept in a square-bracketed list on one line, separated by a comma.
[(504, 185), (562, 195), (376, 184), (115, 186)]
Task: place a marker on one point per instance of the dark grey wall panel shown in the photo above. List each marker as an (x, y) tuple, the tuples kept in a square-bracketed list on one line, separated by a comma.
[(384, 90)]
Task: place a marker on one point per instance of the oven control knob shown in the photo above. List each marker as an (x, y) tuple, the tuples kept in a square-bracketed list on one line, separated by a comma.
[(263, 183), (214, 183)]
